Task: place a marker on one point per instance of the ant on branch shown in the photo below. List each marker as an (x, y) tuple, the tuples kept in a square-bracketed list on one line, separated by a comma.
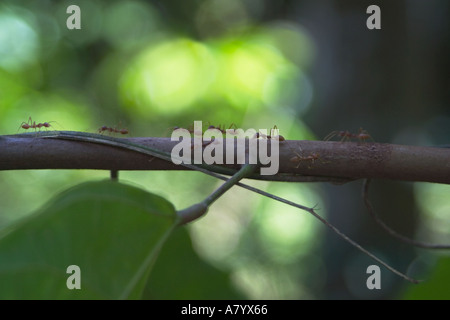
[(362, 135), (30, 124), (112, 130), (276, 137), (190, 129), (222, 129), (298, 158)]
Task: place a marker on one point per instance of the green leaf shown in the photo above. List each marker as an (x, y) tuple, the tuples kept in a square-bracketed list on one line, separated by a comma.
[(180, 273), (112, 231)]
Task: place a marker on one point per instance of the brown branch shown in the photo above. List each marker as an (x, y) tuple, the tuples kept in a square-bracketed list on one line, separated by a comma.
[(299, 160)]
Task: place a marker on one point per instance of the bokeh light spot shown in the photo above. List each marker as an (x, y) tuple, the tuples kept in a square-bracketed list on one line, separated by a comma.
[(251, 72), (285, 231), (129, 22), (434, 203), (18, 42), (168, 77)]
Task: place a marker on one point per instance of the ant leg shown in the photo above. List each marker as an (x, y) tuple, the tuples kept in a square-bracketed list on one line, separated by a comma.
[(298, 158), (262, 135), (363, 135), (233, 127), (330, 135), (274, 131)]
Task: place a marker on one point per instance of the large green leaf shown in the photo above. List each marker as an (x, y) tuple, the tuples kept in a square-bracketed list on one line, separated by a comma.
[(180, 273), (111, 231)]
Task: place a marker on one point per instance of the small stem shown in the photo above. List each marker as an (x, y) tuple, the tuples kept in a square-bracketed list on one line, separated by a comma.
[(246, 170), (332, 227), (199, 209), (114, 174)]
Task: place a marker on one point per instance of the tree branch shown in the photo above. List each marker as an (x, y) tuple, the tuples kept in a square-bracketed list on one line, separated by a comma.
[(299, 160)]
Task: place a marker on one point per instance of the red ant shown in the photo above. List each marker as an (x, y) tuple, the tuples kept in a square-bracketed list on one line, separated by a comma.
[(190, 130), (172, 129), (32, 124), (298, 158), (223, 130), (277, 137), (197, 133), (362, 135), (232, 127), (112, 130)]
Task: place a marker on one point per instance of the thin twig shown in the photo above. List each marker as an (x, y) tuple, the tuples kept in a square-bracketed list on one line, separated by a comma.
[(325, 222), (199, 209), (332, 227), (385, 227)]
